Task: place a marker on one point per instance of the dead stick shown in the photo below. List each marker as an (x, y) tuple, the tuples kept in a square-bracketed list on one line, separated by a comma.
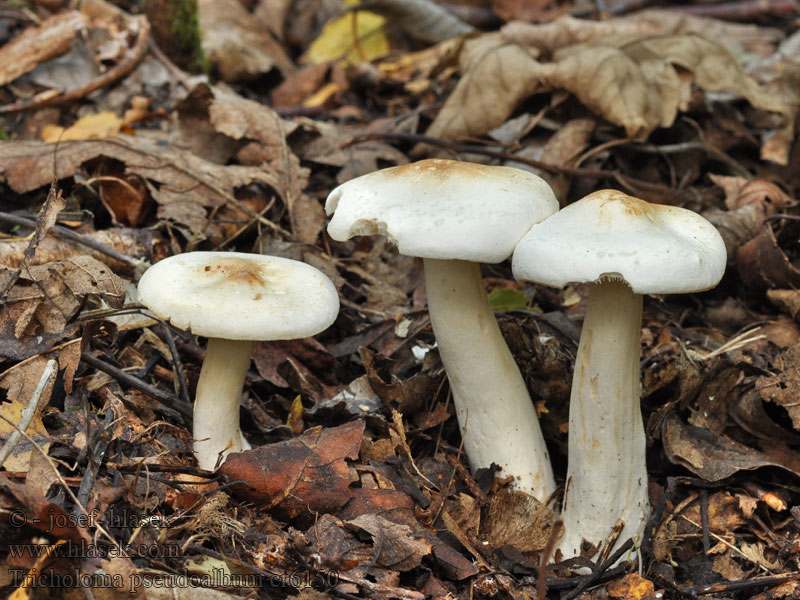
[(50, 370), (137, 265), (167, 399)]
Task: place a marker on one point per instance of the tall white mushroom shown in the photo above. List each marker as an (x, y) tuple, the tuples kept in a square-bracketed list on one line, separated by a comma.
[(234, 299), (625, 247), (456, 215)]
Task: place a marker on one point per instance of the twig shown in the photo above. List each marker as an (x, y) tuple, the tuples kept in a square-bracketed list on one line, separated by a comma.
[(54, 467), (725, 587), (50, 370), (177, 364), (119, 71), (555, 533), (628, 182), (602, 568), (66, 234), (167, 399)]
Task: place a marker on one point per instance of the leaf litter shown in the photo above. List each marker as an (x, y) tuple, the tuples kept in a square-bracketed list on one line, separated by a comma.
[(357, 485)]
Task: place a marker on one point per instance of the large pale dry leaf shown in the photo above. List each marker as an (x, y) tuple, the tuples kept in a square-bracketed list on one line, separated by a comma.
[(237, 45), (613, 85), (739, 39), (566, 31), (497, 75), (633, 82), (421, 19)]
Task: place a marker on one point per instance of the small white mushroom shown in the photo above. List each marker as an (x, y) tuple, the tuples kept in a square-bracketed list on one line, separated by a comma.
[(234, 299), (625, 247), (456, 215)]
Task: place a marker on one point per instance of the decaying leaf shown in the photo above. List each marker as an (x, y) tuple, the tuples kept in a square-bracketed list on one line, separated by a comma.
[(39, 308), (715, 457), (350, 38), (783, 388), (184, 184), (398, 547), (289, 475)]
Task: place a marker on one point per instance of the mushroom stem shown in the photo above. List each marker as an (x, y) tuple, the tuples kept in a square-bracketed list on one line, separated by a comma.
[(607, 474), (494, 410), (216, 405)]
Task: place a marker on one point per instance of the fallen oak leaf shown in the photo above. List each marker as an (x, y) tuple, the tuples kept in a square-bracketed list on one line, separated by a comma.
[(301, 476)]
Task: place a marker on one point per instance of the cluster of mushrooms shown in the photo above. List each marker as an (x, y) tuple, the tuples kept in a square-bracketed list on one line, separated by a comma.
[(455, 215)]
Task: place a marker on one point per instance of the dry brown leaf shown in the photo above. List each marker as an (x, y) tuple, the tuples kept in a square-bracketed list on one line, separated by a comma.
[(236, 44), (184, 184), (40, 306), (783, 388), (755, 554), (496, 76), (397, 545), (50, 39), (325, 144), (715, 457)]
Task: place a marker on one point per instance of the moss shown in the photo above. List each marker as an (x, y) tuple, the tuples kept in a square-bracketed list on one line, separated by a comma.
[(176, 29)]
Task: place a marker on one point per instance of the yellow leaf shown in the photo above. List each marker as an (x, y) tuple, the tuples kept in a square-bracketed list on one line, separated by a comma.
[(101, 125), (295, 418), (353, 37)]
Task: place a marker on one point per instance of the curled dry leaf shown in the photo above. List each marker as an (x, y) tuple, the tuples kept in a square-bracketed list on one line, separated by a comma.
[(749, 202), (496, 76), (763, 264), (783, 388), (302, 476), (715, 457), (634, 82)]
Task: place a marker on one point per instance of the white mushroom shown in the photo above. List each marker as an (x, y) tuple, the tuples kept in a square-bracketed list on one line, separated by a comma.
[(626, 248), (455, 215), (234, 299)]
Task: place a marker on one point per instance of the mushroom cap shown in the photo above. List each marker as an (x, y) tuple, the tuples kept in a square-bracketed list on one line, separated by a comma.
[(656, 249), (444, 209), (239, 296)]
